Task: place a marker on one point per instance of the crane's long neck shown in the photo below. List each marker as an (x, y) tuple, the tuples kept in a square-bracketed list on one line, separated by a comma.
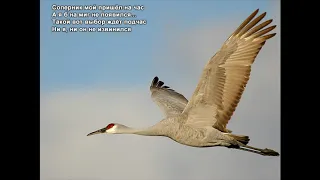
[(156, 130)]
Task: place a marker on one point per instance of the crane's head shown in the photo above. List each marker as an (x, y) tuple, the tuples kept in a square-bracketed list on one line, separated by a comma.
[(110, 128)]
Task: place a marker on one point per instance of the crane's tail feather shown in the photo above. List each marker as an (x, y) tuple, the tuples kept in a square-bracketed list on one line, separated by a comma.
[(242, 139)]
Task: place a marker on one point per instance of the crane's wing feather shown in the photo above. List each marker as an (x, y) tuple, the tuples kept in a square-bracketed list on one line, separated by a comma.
[(169, 101), (225, 76)]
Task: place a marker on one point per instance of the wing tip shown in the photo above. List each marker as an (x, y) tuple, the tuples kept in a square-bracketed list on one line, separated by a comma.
[(245, 22), (254, 30), (269, 36), (156, 83), (255, 12)]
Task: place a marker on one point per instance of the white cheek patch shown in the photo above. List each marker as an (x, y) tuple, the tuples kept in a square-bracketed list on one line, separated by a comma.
[(111, 131)]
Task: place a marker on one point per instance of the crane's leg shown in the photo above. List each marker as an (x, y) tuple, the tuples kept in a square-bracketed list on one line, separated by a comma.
[(238, 145), (264, 152)]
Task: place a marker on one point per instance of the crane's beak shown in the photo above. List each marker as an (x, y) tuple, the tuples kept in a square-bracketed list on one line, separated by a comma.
[(100, 131)]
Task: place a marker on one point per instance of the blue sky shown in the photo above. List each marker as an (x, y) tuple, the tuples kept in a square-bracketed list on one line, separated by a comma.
[(84, 60)]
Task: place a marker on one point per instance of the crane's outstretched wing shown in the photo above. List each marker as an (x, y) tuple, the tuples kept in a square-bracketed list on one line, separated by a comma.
[(225, 76), (170, 102)]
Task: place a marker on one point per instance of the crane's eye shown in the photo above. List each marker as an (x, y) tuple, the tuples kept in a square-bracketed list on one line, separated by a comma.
[(110, 126)]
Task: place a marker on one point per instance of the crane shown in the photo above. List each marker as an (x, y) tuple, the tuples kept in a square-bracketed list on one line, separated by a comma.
[(202, 121)]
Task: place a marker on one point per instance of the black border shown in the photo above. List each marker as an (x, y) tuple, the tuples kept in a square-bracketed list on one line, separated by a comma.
[(21, 90), (284, 53), (297, 127)]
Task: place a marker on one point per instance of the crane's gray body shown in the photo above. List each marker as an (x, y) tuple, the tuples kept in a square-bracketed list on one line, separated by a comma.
[(174, 128)]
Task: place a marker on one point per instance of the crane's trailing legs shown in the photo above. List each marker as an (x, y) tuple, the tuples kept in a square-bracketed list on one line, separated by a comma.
[(264, 152), (234, 144), (241, 141)]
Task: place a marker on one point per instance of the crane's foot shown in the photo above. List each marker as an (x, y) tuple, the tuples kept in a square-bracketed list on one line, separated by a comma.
[(269, 152)]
